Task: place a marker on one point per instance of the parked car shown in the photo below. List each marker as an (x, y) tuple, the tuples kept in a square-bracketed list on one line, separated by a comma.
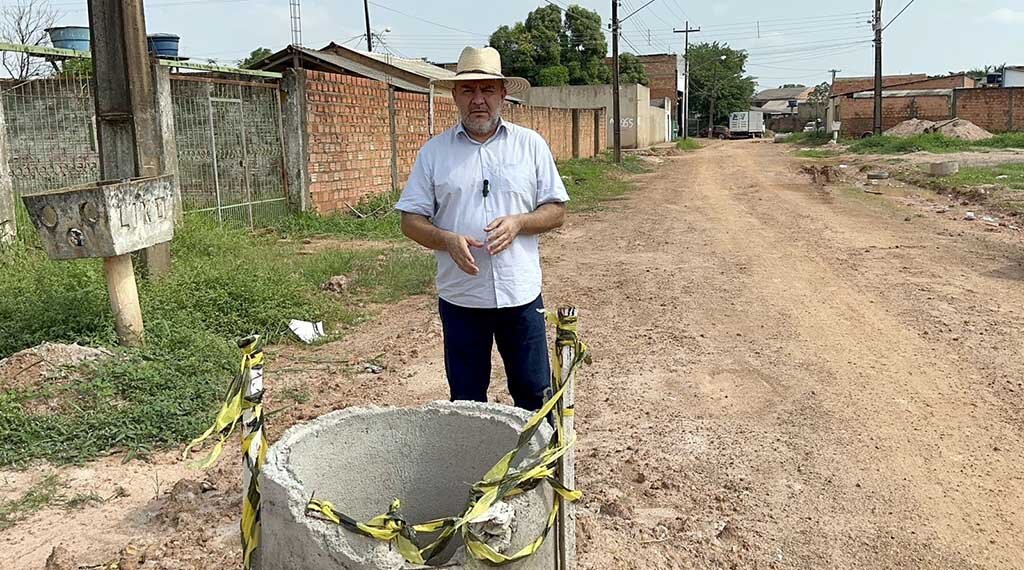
[(720, 132), (813, 127)]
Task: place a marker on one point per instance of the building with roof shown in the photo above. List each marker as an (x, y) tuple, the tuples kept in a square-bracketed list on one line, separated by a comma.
[(904, 97), (413, 75), (1013, 76)]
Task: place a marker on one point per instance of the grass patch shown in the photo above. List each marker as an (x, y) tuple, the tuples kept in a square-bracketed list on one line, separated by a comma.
[(226, 283), (41, 494), (1008, 175), (808, 139), (372, 219), (688, 144), (590, 182), (934, 143), (815, 153)]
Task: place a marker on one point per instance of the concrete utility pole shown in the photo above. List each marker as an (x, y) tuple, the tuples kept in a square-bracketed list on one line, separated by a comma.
[(369, 35), (878, 67), (686, 73), (616, 112), (128, 136)]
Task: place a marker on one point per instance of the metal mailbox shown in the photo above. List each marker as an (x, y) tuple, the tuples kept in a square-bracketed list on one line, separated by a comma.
[(104, 219)]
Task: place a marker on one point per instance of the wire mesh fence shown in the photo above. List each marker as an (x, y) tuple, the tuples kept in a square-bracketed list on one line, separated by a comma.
[(228, 131), (50, 125), (230, 151)]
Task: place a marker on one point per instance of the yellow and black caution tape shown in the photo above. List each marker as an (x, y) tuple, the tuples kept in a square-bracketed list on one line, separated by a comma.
[(500, 482), (243, 404)]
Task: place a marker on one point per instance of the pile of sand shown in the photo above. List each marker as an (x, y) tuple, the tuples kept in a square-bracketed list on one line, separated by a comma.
[(910, 128), (961, 129), (953, 128)]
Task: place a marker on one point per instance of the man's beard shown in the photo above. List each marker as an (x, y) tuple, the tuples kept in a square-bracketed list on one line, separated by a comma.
[(481, 127)]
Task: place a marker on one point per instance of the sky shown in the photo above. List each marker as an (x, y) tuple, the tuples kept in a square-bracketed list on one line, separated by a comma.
[(787, 42)]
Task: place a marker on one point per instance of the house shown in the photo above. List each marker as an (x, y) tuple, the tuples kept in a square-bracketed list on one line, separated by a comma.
[(781, 101), (1013, 76), (413, 75), (665, 80), (914, 96)]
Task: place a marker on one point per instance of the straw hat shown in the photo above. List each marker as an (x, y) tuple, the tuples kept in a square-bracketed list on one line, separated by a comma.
[(479, 64)]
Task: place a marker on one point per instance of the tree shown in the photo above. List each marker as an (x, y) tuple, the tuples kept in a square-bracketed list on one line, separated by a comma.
[(980, 74), (255, 56), (631, 70), (78, 67), (718, 81), (819, 97), (25, 23), (549, 49)]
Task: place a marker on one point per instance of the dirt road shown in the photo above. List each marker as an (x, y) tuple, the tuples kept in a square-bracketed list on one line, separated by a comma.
[(785, 376)]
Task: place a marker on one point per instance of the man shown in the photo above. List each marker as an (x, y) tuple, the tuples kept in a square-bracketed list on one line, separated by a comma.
[(480, 194)]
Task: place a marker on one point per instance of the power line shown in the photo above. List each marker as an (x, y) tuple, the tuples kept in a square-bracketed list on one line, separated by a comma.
[(389, 9), (898, 15)]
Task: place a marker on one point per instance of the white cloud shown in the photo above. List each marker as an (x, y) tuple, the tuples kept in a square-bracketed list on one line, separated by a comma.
[(1006, 16)]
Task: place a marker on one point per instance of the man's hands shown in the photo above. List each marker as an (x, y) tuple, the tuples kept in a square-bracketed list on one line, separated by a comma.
[(458, 248), (502, 232)]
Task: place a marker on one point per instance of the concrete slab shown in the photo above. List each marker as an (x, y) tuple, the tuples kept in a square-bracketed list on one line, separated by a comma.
[(361, 459)]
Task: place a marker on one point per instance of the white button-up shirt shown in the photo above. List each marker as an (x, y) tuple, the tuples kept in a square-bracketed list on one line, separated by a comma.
[(446, 185)]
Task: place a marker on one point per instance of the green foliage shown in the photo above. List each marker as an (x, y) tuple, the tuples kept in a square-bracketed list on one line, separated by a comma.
[(79, 67), (631, 70), (819, 97), (1004, 140), (815, 153), (254, 56), (551, 50), (980, 73), (809, 139), (688, 144), (931, 142), (554, 75), (226, 283), (719, 82), (42, 494), (1008, 175), (590, 182)]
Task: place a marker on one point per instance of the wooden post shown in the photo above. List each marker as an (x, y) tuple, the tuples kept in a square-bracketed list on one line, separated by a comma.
[(599, 143), (566, 523), (124, 299), (8, 218), (127, 133), (575, 133)]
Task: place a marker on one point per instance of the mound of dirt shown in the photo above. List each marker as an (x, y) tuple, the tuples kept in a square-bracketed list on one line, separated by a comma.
[(48, 361), (953, 128), (961, 129), (910, 128)]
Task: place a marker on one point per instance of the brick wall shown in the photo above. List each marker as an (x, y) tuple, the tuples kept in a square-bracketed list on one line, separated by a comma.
[(663, 75), (857, 115), (997, 110), (349, 142), (349, 135)]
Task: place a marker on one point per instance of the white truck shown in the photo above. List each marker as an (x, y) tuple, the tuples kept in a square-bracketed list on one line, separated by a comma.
[(746, 124)]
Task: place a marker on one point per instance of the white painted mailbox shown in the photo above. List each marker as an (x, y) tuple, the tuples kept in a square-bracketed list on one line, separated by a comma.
[(108, 219), (104, 219)]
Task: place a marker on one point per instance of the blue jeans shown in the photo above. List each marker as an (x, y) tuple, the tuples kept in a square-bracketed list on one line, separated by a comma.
[(469, 335)]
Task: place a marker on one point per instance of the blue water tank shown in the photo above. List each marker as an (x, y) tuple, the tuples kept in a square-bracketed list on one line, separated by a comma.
[(163, 45), (70, 37)]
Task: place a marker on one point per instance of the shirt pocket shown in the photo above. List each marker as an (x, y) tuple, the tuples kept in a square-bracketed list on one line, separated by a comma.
[(519, 178)]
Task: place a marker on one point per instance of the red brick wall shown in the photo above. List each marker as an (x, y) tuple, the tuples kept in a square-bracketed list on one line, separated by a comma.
[(845, 85), (857, 115), (997, 110), (349, 131), (349, 139), (662, 74)]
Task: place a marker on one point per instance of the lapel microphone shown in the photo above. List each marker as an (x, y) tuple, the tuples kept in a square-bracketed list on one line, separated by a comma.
[(487, 187)]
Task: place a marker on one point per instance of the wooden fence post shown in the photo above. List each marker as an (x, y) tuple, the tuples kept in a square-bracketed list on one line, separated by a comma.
[(575, 133), (8, 217)]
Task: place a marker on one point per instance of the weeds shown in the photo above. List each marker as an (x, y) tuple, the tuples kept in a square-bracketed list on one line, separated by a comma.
[(934, 143), (225, 284), (593, 181), (809, 139), (43, 493), (688, 144), (814, 153), (1008, 175)]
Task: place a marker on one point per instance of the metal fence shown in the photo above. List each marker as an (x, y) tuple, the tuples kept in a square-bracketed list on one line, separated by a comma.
[(51, 132), (228, 134), (230, 150)]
